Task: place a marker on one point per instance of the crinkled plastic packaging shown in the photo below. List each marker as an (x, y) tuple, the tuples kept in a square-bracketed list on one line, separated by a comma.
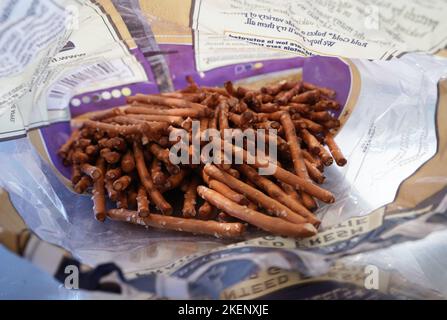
[(393, 133)]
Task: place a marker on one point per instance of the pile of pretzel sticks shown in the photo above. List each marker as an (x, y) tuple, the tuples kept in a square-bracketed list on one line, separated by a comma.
[(123, 154)]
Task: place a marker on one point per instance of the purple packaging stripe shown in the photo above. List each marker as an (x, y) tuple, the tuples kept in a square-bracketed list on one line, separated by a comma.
[(331, 73), (181, 64)]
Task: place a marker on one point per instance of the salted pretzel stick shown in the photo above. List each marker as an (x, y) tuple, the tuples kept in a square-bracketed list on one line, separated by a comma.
[(79, 157), (217, 229), (223, 116), (189, 204), (211, 100), (63, 150), (116, 129), (241, 120), (76, 174), (227, 192), (163, 155), (274, 89), (122, 201), (289, 190), (157, 118), (111, 157), (98, 193), (270, 224), (132, 198), (271, 205), (286, 176), (104, 114), (142, 202), (335, 150), (174, 181), (193, 113), (277, 193), (171, 102), (313, 159), (205, 211), (314, 173), (319, 116), (83, 184), (299, 108), (193, 97), (307, 97), (146, 180), (83, 143), (324, 105), (92, 171), (313, 145), (112, 193), (284, 98), (128, 162), (325, 91), (331, 124), (122, 183), (91, 150), (157, 174), (308, 124), (159, 126), (294, 146), (113, 173)]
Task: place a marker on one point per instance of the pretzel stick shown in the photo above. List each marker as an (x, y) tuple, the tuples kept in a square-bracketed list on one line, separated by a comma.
[(154, 118), (288, 177), (294, 146), (205, 211), (63, 150), (193, 113), (104, 114), (171, 102), (142, 202), (217, 229), (335, 150), (189, 204), (324, 105), (228, 192), (157, 174), (92, 171), (173, 181), (115, 129), (155, 126), (121, 183), (325, 91), (112, 193), (91, 150), (79, 157), (312, 143), (113, 173), (277, 193), (132, 198), (98, 193), (284, 98), (111, 157), (271, 205), (121, 201), (313, 171), (83, 184), (267, 223), (76, 174), (313, 159), (163, 155), (146, 180), (319, 116), (128, 162), (307, 97)]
